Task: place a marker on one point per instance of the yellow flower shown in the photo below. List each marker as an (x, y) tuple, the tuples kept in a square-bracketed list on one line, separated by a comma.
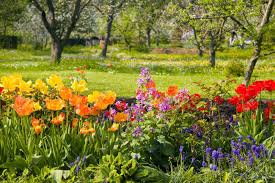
[(41, 86), (80, 86), (114, 127), (94, 97), (11, 82), (55, 82), (25, 86), (37, 106)]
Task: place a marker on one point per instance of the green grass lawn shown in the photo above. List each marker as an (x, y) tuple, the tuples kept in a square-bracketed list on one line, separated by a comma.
[(120, 70)]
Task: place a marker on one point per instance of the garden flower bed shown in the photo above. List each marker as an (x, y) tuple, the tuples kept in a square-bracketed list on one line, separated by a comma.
[(50, 131)]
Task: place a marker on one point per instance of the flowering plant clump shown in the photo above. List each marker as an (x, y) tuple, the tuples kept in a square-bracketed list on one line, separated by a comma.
[(55, 99), (253, 117), (52, 129)]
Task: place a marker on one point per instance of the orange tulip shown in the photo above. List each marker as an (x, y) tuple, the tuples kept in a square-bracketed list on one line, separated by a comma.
[(120, 117), (77, 99), (58, 119), (95, 111), (101, 105), (109, 98), (87, 129), (55, 104), (66, 93), (74, 122), (172, 90), (150, 84), (37, 125), (38, 129), (23, 106), (83, 110), (35, 122)]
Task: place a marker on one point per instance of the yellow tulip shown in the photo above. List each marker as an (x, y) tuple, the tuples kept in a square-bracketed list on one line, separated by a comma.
[(41, 86), (11, 82), (37, 106), (55, 82), (94, 96), (25, 86), (80, 86)]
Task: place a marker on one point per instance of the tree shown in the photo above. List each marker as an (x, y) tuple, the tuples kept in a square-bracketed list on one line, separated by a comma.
[(10, 12), (60, 19), (125, 26), (109, 9), (206, 24), (254, 21), (32, 29), (149, 12)]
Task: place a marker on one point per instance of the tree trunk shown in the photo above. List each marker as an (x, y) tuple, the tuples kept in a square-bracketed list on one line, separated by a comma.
[(200, 51), (212, 50), (259, 41), (56, 51), (107, 38), (148, 37), (157, 38), (198, 44)]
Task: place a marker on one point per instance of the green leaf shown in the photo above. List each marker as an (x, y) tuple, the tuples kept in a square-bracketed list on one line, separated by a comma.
[(18, 163)]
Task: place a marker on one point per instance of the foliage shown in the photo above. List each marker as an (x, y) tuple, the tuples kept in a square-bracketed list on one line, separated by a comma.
[(235, 68)]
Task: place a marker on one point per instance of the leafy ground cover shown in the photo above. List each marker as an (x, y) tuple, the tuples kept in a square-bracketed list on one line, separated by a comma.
[(62, 132), (120, 71)]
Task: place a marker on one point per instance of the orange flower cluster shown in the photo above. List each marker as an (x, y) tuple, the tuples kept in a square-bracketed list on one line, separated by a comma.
[(23, 106), (54, 104), (58, 119), (87, 129), (104, 100), (37, 125), (66, 93), (120, 117), (78, 100), (44, 97), (172, 90)]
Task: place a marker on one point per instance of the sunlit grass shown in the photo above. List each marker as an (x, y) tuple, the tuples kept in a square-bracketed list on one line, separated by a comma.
[(120, 70)]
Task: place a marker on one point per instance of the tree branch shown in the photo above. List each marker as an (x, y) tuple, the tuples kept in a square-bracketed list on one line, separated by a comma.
[(240, 24)]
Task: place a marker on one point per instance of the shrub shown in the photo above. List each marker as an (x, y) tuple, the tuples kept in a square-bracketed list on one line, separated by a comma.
[(9, 42), (235, 68)]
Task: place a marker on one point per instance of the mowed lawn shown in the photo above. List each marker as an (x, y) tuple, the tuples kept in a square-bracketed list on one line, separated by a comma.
[(120, 71)]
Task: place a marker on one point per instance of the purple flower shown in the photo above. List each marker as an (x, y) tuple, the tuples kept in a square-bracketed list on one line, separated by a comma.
[(251, 161), (199, 135), (71, 164), (208, 150), (144, 71), (137, 132), (240, 139), (215, 154), (250, 138), (213, 167), (77, 159), (242, 159), (181, 149), (236, 152), (231, 119), (84, 159), (193, 160), (221, 155), (77, 169), (164, 106), (203, 164)]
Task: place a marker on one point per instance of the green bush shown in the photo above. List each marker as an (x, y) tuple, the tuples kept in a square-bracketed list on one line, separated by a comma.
[(235, 68)]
